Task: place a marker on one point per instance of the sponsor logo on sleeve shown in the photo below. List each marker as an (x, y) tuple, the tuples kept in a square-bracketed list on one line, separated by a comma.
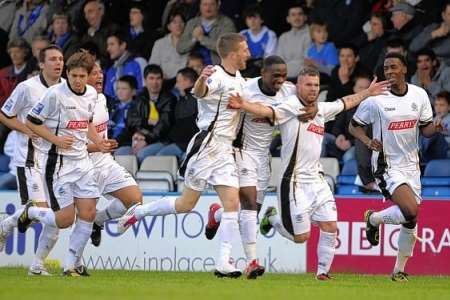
[(37, 109)]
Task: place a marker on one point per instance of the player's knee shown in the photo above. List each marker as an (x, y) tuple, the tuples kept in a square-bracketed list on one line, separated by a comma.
[(66, 222), (301, 238)]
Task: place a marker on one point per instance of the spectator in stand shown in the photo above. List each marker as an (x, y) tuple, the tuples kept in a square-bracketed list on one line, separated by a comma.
[(293, 44), (30, 20), (61, 34), (321, 54), (97, 28), (73, 9), (195, 61), (7, 12), (442, 110), (372, 42), (19, 53), (165, 52), (188, 8), (201, 33), (343, 75), (261, 40), (39, 42), (123, 63), (435, 36), (343, 17), (126, 91), (395, 45), (431, 75), (140, 40), (152, 110), (406, 26), (185, 115)]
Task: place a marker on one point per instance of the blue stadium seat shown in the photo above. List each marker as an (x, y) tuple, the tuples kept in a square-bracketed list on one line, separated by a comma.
[(348, 190), (435, 181), (4, 163), (346, 179), (350, 168), (441, 191), (438, 168)]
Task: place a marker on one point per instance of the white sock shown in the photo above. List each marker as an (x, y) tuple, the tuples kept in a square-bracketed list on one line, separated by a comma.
[(390, 215), (10, 222), (218, 214), (115, 209), (248, 230), (325, 251), (161, 207), (47, 241), (406, 242), (227, 230), (276, 223), (78, 240), (44, 215)]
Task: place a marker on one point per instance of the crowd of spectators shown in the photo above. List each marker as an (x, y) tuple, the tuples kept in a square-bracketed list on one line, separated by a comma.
[(153, 51)]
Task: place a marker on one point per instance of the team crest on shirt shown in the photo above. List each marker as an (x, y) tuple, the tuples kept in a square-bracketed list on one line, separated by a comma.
[(61, 191), (38, 108), (414, 106)]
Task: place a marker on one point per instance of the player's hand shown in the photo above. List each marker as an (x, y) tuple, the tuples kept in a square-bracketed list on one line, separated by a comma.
[(235, 101), (375, 145), (207, 71), (65, 141), (378, 88), (33, 136), (107, 146), (310, 111)]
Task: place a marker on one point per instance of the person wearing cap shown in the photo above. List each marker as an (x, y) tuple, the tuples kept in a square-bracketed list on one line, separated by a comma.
[(435, 36), (60, 33), (10, 76), (405, 25)]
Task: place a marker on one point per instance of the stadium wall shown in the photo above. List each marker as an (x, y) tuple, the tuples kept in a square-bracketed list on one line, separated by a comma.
[(177, 243)]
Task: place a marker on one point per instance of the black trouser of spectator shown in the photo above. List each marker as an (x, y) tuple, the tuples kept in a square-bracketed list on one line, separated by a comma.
[(4, 131), (363, 157)]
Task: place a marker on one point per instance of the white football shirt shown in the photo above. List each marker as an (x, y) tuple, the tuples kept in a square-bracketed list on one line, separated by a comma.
[(23, 98), (65, 113), (213, 113), (257, 131), (302, 141), (395, 122)]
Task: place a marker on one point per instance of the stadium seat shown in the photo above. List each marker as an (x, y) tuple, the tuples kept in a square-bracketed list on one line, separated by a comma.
[(435, 181), (438, 168), (346, 179), (276, 173), (158, 173), (441, 191), (129, 162), (348, 190), (4, 163)]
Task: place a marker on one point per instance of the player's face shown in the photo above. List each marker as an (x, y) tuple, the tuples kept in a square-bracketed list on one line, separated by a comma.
[(96, 78), (53, 63), (274, 77), (308, 88), (242, 55), (394, 71), (78, 78)]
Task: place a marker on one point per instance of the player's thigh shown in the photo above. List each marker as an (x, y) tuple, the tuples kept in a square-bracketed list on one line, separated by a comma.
[(128, 195), (229, 197), (405, 198), (248, 196)]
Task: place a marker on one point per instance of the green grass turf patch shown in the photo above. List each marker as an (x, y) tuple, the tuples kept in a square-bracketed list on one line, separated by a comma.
[(16, 284)]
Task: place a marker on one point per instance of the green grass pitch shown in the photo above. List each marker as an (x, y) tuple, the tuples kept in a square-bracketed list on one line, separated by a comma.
[(16, 284)]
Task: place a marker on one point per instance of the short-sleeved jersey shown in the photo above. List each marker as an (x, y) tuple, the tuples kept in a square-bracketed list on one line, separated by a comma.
[(213, 113), (395, 122), (302, 141), (22, 99), (65, 113), (100, 121), (257, 131)]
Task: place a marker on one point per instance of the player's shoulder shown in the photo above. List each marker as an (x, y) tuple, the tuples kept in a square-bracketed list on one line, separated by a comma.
[(288, 88), (293, 101), (417, 91), (251, 85)]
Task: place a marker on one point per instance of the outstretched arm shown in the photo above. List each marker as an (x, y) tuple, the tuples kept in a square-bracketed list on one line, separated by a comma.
[(375, 89), (237, 102)]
